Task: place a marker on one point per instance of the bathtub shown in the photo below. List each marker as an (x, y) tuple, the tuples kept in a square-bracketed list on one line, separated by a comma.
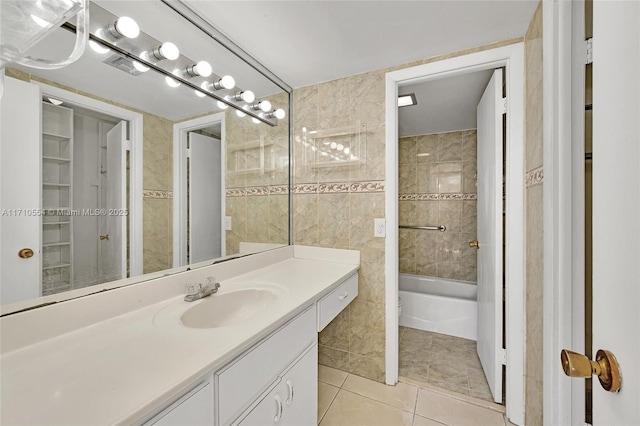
[(439, 305)]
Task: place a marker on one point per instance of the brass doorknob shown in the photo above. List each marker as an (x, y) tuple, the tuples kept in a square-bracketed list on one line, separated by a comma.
[(475, 244), (605, 366), (25, 253), (104, 237)]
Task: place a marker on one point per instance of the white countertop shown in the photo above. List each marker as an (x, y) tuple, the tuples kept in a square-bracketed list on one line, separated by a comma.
[(124, 367)]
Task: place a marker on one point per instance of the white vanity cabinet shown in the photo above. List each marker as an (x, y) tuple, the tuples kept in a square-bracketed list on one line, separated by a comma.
[(293, 401), (243, 385)]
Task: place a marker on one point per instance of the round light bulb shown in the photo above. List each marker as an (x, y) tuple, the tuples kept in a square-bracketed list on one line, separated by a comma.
[(228, 82), (169, 51), (279, 114), (264, 106), (97, 47), (248, 96), (140, 67), (203, 68), (340, 147), (334, 145), (127, 27), (255, 120), (222, 105), (346, 150), (240, 113), (171, 82)]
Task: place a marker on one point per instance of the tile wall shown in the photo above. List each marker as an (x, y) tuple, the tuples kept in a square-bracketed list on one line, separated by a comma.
[(533, 220), (335, 206), (257, 178), (437, 186)]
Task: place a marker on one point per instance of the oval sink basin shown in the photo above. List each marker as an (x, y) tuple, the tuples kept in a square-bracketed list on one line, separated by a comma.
[(224, 309)]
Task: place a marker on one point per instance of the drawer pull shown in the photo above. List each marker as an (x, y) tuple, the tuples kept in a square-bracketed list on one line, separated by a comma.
[(278, 415), (290, 389), (344, 295)]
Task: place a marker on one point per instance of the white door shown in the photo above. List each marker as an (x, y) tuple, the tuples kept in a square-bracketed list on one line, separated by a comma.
[(20, 162), (616, 204), (205, 197), (489, 114), (113, 263)]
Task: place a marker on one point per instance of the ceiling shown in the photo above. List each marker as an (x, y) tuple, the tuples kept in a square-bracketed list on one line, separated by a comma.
[(308, 42), (443, 105)]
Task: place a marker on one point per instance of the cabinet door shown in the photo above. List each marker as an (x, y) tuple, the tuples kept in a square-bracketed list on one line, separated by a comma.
[(20, 162), (294, 401), (300, 386)]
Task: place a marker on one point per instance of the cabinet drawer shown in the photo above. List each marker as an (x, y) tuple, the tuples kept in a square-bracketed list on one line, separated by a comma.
[(244, 380), (333, 303), (195, 408)]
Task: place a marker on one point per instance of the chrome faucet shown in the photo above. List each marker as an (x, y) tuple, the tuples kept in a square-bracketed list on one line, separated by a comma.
[(201, 290)]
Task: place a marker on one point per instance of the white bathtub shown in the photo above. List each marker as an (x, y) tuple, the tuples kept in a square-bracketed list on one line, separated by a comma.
[(438, 305)]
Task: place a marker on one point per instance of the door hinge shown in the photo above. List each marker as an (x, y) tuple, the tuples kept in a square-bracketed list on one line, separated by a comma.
[(188, 152), (127, 145), (502, 356), (589, 49), (504, 105)]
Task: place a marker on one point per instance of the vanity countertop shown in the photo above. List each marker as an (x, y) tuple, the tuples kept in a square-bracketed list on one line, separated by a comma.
[(121, 368)]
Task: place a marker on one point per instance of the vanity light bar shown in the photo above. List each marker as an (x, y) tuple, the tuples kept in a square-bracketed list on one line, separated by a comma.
[(176, 78)]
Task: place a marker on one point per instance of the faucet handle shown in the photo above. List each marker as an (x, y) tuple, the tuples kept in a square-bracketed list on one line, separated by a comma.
[(192, 288), (210, 282)]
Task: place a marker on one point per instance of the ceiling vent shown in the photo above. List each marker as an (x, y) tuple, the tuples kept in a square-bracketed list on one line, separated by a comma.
[(123, 64)]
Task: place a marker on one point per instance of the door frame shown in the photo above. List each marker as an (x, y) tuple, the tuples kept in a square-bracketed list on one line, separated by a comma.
[(512, 58), (563, 85), (180, 139), (135, 147)]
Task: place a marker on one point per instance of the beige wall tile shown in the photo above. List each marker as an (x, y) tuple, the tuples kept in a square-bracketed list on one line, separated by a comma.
[(157, 227), (427, 149), (334, 358), (407, 151), (336, 333), (305, 219), (370, 368), (450, 147), (333, 220)]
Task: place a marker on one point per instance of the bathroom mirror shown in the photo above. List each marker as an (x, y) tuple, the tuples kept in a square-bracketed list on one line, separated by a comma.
[(137, 174)]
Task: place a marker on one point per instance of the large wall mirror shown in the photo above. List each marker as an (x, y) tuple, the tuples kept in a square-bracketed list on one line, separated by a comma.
[(115, 170)]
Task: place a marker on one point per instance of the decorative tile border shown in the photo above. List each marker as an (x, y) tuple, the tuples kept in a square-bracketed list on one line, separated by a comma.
[(339, 187), (437, 197), (158, 195), (258, 191), (534, 177)]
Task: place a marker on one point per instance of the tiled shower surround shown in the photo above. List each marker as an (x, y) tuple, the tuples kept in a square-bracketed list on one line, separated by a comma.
[(437, 186)]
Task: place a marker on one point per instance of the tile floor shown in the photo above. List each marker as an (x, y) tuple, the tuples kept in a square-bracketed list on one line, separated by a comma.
[(444, 361), (345, 399)]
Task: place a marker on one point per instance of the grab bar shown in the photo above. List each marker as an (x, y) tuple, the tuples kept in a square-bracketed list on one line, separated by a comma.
[(440, 228)]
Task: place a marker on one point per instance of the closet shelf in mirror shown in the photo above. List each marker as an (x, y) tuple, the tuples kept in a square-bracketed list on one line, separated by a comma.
[(56, 159), (52, 137), (56, 185), (56, 266), (58, 244), (55, 223)]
